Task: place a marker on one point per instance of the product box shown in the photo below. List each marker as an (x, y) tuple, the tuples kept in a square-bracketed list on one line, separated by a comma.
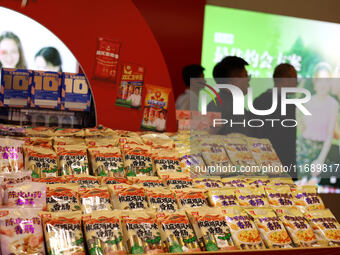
[(75, 92), (15, 87), (46, 90), (131, 86)]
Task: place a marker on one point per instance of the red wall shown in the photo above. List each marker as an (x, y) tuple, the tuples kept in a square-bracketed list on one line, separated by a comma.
[(78, 23), (178, 26)]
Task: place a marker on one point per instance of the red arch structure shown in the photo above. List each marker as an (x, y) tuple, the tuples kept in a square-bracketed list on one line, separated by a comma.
[(78, 23)]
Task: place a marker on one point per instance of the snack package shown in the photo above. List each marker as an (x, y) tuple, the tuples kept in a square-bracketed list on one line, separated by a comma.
[(283, 181), (298, 227), (83, 180), (264, 153), (158, 140), (69, 132), (100, 131), (68, 140), (26, 194), (62, 197), (177, 232), (258, 181), (92, 142), (155, 110), (12, 130), (21, 231), (16, 177), (239, 152), (107, 55), (134, 139), (161, 199), (113, 180), (165, 161), (11, 154), (106, 162), (207, 183), (177, 180), (138, 161), (63, 233), (222, 197), (126, 197), (131, 86), (103, 233), (45, 142), (72, 159), (51, 180), (243, 230), (148, 181), (211, 228), (187, 197), (251, 197), (232, 182), (306, 198), (141, 232), (192, 163), (271, 228), (325, 226), (94, 199), (41, 161), (40, 131), (279, 196)]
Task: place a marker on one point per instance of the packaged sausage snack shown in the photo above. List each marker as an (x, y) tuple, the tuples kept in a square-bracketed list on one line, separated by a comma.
[(187, 197), (41, 161), (113, 180), (141, 232), (94, 199), (68, 140), (161, 199), (251, 197), (148, 181), (72, 159), (92, 142), (51, 180), (40, 131), (298, 227), (258, 181), (21, 231), (306, 198), (11, 154), (126, 197), (69, 132), (283, 181), (177, 180), (271, 228), (222, 197), (16, 177), (208, 182), (166, 161), (279, 196), (63, 233), (26, 194), (211, 228), (243, 230), (103, 233), (106, 161), (100, 131), (235, 182), (158, 140), (45, 142), (83, 180), (138, 161), (177, 232), (325, 226), (155, 109), (62, 197)]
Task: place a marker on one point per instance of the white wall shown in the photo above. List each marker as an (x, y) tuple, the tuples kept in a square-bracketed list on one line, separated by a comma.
[(33, 37)]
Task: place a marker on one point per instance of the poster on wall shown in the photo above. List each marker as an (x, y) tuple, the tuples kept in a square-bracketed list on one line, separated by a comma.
[(155, 110), (131, 86), (107, 56)]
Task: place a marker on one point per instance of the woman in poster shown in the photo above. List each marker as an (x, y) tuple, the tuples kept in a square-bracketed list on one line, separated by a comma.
[(11, 53), (318, 128)]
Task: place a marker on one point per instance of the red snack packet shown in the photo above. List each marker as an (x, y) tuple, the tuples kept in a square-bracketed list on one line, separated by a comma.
[(107, 55)]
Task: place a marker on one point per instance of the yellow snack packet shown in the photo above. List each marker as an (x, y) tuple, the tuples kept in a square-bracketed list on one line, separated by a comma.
[(141, 232), (237, 181), (279, 196), (251, 197), (211, 228), (177, 232), (283, 181), (298, 227), (161, 199), (62, 197), (106, 161), (165, 161), (138, 160), (208, 182), (177, 180), (258, 181), (222, 197), (126, 197), (103, 233), (325, 226), (187, 197), (271, 228), (239, 152), (148, 181), (63, 232), (307, 198), (243, 230)]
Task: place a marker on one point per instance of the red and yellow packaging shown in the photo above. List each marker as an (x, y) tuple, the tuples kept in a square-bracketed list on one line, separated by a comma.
[(187, 197), (126, 197), (251, 197), (279, 196), (62, 197), (83, 180), (161, 199), (94, 199), (307, 198)]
